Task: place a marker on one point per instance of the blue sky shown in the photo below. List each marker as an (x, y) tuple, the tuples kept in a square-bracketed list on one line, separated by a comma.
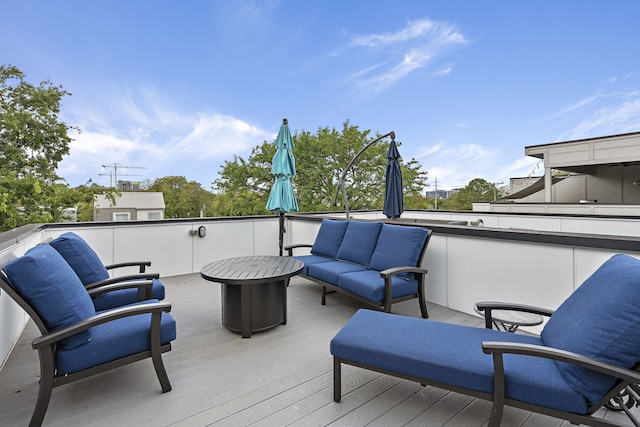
[(178, 87)]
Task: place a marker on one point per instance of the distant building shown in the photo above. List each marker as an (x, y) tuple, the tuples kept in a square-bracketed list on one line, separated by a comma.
[(441, 194), (130, 206), (588, 176), (128, 185)]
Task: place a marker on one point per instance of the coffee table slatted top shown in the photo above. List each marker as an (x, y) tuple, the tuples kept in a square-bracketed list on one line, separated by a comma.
[(251, 269)]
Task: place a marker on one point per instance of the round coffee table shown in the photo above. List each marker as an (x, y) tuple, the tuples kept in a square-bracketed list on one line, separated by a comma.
[(511, 320), (254, 290)]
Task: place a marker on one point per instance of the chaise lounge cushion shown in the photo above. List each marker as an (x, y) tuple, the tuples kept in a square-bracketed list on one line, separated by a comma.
[(329, 238), (398, 246), (452, 354), (81, 257), (52, 288), (610, 333), (359, 242), (132, 337), (368, 284)]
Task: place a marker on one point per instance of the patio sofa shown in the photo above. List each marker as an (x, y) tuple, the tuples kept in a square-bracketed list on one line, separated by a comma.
[(373, 262), (587, 356)]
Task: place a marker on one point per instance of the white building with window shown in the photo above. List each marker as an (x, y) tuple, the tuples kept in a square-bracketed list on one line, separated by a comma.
[(130, 206)]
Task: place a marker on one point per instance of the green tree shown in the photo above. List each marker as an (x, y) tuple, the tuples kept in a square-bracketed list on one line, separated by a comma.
[(182, 198), (33, 141), (478, 190), (321, 159)]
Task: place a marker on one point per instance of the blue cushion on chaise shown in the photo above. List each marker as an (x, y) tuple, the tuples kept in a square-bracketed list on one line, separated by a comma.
[(609, 331), (452, 354)]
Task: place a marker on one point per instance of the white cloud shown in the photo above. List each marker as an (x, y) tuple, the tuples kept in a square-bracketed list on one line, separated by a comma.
[(144, 131), (406, 50)]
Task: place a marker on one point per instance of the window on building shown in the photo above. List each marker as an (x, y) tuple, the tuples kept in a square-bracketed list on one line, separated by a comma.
[(121, 216), (153, 215)]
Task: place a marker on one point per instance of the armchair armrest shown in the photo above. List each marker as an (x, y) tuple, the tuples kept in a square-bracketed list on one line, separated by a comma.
[(290, 248), (138, 284), (156, 310), (142, 264), (487, 307), (499, 348), (129, 277), (404, 269)]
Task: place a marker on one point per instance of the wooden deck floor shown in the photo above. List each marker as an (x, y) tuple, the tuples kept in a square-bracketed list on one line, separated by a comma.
[(279, 377)]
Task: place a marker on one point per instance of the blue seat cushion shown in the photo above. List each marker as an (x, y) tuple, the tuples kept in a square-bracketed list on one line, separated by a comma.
[(329, 271), (329, 238), (81, 257), (309, 260), (45, 280), (126, 296), (452, 354), (359, 242), (601, 319), (113, 340), (398, 246), (368, 284)]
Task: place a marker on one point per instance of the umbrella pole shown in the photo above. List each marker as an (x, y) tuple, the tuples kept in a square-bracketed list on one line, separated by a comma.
[(281, 230)]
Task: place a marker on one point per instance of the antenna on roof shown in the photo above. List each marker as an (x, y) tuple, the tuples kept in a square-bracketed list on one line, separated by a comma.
[(113, 172)]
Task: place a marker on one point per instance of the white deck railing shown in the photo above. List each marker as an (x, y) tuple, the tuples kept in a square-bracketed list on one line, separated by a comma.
[(531, 259)]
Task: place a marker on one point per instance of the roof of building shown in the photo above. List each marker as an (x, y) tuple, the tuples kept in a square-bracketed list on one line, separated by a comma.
[(133, 199)]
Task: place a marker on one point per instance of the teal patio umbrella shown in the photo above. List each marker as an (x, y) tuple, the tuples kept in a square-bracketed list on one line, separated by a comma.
[(283, 167), (393, 197)]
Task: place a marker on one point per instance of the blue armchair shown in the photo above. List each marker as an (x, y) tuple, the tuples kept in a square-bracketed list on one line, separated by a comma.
[(587, 354), (95, 275), (77, 341)]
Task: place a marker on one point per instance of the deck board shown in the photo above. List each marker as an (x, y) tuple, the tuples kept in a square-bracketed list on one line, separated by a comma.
[(279, 377)]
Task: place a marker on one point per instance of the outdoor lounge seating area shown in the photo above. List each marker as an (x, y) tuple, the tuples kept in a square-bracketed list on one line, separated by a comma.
[(282, 376), (376, 263)]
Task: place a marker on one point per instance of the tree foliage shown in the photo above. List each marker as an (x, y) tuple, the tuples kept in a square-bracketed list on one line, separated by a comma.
[(321, 159), (478, 190), (33, 141), (183, 199)]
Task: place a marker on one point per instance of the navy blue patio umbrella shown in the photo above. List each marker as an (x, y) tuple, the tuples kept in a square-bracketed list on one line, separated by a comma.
[(393, 193), (283, 167)]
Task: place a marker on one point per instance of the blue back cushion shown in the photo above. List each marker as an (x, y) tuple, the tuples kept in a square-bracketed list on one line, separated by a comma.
[(50, 286), (84, 261), (329, 238), (398, 246), (359, 242), (601, 319)]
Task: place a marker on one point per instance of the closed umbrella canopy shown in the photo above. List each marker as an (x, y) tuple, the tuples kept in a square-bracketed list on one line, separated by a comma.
[(393, 198), (283, 167)]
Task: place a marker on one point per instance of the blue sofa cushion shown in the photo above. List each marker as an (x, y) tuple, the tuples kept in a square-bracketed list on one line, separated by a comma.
[(50, 286), (452, 354), (601, 319), (368, 284), (329, 271), (329, 238), (113, 340), (398, 246), (309, 260), (359, 242), (84, 261), (126, 296)]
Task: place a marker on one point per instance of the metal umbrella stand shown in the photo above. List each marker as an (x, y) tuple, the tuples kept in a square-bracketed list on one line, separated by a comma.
[(393, 193), (283, 166)]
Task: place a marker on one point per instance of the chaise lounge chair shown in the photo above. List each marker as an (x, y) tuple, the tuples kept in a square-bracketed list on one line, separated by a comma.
[(587, 354)]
